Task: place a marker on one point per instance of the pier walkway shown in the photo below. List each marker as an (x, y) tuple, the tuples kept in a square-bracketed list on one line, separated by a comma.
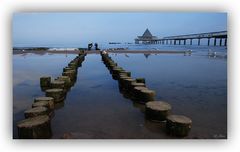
[(147, 38)]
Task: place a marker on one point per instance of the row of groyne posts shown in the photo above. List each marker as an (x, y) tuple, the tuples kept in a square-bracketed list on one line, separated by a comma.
[(37, 122), (156, 111)]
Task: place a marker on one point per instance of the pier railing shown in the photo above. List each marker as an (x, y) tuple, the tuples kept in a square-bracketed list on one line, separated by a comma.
[(178, 39)]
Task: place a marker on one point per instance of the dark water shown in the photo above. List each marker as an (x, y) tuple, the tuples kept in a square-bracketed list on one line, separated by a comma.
[(195, 86)]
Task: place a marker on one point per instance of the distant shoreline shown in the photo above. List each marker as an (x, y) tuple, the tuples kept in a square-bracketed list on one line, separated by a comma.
[(97, 52)]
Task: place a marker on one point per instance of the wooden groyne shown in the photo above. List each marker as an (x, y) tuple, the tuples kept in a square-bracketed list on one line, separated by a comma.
[(137, 91), (37, 124)]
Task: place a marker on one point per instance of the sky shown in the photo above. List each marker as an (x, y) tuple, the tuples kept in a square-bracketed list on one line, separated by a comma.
[(71, 29)]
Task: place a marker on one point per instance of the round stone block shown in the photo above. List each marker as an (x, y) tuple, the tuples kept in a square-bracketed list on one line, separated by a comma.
[(35, 128), (178, 125), (157, 110)]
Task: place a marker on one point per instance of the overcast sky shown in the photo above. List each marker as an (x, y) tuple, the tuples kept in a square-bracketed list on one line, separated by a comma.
[(71, 29)]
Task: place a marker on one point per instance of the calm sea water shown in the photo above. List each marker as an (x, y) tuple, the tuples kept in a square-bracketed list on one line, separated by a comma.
[(195, 86)]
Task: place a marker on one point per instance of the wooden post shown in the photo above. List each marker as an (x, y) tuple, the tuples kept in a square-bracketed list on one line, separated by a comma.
[(179, 42), (184, 42), (225, 44), (190, 41), (174, 42), (220, 42)]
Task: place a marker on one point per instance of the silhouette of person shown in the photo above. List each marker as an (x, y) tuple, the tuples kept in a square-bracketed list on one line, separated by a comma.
[(90, 46), (96, 46)]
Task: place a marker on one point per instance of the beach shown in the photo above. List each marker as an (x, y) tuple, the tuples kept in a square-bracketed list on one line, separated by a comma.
[(194, 84)]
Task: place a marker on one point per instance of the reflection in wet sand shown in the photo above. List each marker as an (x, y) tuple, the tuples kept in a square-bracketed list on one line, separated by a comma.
[(194, 85)]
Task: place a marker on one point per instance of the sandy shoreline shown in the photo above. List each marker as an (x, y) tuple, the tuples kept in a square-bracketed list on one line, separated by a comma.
[(97, 52)]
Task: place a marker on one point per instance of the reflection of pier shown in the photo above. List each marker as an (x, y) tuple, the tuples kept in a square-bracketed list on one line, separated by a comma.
[(147, 38)]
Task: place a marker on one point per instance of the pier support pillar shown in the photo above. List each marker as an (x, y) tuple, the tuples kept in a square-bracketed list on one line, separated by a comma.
[(190, 41), (179, 43), (171, 42), (174, 42), (184, 42), (198, 41), (215, 41), (220, 42), (208, 41), (225, 43)]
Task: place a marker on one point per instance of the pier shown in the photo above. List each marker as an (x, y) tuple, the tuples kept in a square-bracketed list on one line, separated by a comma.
[(147, 38)]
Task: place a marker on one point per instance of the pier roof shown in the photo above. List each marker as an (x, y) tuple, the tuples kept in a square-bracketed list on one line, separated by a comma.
[(147, 33), (147, 36)]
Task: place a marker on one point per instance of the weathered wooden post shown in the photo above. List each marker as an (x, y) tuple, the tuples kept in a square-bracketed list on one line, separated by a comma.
[(36, 111), (127, 83), (35, 128), (50, 101), (57, 94), (178, 125), (46, 104), (157, 110), (58, 84), (141, 80), (45, 82), (67, 81), (147, 95), (137, 93), (71, 74)]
